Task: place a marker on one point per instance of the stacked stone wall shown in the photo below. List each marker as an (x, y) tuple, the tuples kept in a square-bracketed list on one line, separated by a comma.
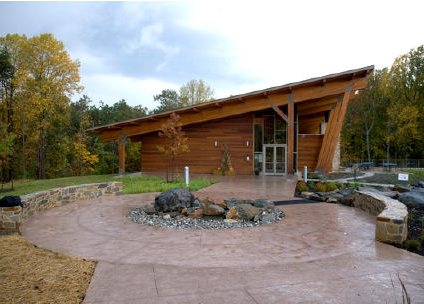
[(392, 216), (12, 217)]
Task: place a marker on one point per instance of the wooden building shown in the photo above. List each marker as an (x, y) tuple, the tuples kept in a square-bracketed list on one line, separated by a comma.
[(274, 131)]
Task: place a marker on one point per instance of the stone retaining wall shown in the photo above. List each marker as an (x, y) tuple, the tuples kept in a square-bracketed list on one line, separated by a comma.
[(392, 216), (12, 217)]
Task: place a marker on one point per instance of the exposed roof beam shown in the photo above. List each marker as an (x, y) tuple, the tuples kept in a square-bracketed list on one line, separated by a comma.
[(279, 112)]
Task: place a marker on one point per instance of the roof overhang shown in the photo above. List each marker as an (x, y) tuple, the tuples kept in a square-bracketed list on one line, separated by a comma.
[(312, 89)]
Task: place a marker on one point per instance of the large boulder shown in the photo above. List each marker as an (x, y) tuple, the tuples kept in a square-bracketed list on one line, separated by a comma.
[(412, 199), (391, 194), (258, 203), (247, 211), (262, 203), (232, 202), (232, 214), (174, 200), (209, 208)]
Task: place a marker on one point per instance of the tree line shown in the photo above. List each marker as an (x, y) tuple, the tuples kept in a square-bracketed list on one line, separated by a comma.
[(43, 133), (386, 121)]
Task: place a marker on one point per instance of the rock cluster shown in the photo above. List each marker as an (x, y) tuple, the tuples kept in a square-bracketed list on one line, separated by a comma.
[(412, 197), (178, 208)]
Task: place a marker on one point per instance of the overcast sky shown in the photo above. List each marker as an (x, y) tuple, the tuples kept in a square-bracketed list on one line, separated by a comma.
[(133, 50)]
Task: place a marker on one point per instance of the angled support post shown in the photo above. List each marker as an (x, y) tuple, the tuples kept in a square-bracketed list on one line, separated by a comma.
[(332, 133), (279, 112)]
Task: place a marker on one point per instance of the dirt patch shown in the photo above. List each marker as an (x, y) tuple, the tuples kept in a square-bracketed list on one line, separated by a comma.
[(29, 274)]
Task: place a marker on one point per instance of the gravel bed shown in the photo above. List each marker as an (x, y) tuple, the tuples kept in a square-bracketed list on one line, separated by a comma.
[(138, 215)]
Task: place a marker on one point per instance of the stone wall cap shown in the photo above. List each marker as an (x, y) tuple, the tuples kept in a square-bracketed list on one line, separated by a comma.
[(393, 209), (31, 195)]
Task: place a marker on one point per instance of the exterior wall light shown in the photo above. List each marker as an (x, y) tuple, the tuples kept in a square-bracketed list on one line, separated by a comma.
[(216, 143), (247, 157), (247, 143)]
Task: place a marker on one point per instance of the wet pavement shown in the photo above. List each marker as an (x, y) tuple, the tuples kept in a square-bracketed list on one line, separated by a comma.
[(319, 253)]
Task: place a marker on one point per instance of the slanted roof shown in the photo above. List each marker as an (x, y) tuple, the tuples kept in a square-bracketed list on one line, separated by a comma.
[(314, 88)]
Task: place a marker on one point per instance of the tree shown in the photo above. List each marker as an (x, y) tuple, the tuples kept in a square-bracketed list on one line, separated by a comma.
[(406, 91), (6, 149), (107, 151), (385, 120), (51, 78), (7, 89), (194, 92), (83, 161), (176, 143), (168, 100)]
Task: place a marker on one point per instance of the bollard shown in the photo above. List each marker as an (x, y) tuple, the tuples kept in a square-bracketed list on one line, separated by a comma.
[(187, 176), (305, 174)]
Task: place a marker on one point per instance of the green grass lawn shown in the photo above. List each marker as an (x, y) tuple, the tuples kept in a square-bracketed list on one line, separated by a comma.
[(142, 184), (415, 175), (131, 184)]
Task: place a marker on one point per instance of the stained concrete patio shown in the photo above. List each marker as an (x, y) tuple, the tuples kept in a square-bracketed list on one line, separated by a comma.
[(320, 253)]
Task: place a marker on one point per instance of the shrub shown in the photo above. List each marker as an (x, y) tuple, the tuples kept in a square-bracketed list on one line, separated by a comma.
[(320, 187), (422, 236), (331, 187), (311, 185), (301, 186), (339, 185), (412, 245), (314, 175)]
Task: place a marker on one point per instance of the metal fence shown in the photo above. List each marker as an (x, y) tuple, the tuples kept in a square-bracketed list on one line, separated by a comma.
[(383, 163)]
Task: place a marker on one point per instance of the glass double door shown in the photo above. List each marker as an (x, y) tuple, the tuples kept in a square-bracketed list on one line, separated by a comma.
[(275, 159)]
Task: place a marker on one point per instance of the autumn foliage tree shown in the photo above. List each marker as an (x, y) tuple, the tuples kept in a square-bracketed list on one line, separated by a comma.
[(194, 92), (385, 121), (44, 79), (175, 143)]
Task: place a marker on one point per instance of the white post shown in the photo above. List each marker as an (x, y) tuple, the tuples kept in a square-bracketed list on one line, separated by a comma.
[(305, 174), (187, 176)]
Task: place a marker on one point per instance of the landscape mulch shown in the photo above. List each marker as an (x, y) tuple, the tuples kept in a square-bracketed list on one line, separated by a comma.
[(29, 274)]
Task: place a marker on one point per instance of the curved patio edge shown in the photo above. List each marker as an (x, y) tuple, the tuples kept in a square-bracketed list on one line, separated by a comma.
[(392, 216), (12, 217)]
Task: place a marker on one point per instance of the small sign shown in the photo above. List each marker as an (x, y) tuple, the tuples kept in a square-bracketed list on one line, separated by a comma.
[(403, 177)]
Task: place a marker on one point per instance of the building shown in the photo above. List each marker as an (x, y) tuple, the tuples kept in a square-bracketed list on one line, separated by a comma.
[(274, 131)]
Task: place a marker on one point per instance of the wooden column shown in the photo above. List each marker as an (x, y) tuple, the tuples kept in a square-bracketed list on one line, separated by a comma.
[(121, 152), (290, 135)]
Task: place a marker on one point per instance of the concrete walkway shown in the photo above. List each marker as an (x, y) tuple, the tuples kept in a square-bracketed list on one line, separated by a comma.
[(319, 253)]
